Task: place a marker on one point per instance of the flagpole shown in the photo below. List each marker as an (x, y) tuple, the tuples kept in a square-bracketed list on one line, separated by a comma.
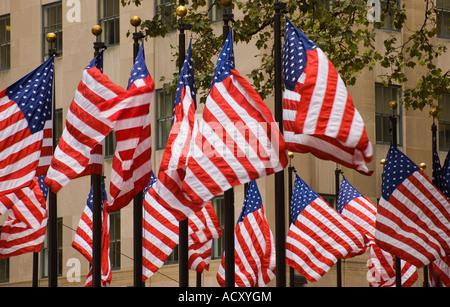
[(97, 197), (229, 194), (280, 219), (291, 171), (337, 174), (52, 202), (183, 246), (393, 119)]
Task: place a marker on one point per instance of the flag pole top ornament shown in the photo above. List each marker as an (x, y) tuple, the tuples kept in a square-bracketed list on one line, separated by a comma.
[(434, 112), (393, 105), (50, 37), (97, 30), (226, 3), (382, 162), (423, 165), (290, 154), (135, 21), (181, 11)]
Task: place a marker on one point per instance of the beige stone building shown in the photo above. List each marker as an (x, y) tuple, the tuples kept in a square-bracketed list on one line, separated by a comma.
[(23, 25)]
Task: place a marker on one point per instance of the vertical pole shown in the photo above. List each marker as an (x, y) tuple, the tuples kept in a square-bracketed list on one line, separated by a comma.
[(393, 129), (52, 201), (291, 170), (97, 202), (280, 219), (183, 246), (337, 173), (229, 202), (138, 199)]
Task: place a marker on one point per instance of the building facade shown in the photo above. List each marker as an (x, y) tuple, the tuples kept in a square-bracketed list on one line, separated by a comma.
[(23, 28)]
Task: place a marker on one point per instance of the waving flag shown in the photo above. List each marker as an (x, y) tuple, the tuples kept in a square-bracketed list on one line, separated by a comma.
[(413, 217), (254, 246), (25, 128), (362, 211), (24, 230), (318, 113), (131, 167), (238, 139), (85, 127), (318, 235), (83, 238)]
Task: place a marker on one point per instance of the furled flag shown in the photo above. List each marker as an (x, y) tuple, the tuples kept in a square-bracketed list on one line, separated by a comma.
[(83, 238), (254, 246), (362, 211), (24, 230), (238, 139), (204, 226), (318, 113), (413, 216), (131, 167), (25, 128), (318, 235), (85, 127)]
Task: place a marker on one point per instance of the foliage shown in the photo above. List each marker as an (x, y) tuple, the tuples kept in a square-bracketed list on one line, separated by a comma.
[(340, 28)]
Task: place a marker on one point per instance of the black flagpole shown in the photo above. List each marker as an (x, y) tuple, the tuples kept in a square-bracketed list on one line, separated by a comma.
[(280, 218), (393, 129), (291, 171), (52, 215), (229, 194), (337, 173), (183, 246), (97, 198), (138, 199)]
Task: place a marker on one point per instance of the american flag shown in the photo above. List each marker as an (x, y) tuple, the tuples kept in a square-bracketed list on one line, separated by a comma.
[(362, 211), (413, 216), (24, 230), (238, 138), (83, 241), (25, 128), (85, 128), (254, 246), (318, 235), (131, 167), (318, 113)]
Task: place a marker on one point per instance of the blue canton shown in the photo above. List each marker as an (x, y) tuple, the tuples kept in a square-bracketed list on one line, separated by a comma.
[(150, 184), (97, 61), (33, 95), (346, 194), (225, 62), (302, 196), (294, 54), (252, 201), (43, 187), (186, 77), (139, 70), (397, 168), (90, 199)]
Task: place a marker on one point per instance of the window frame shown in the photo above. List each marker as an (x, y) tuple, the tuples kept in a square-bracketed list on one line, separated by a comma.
[(387, 113), (104, 20), (441, 22), (160, 140), (6, 43), (55, 28), (45, 250), (443, 144)]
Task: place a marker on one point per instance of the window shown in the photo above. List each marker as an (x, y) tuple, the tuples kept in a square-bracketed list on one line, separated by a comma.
[(110, 21), (218, 245), (45, 250), (218, 10), (5, 42), (52, 22), (58, 124), (114, 239), (387, 20), (444, 123), (110, 144), (164, 114), (443, 18), (166, 11), (383, 96), (329, 199), (4, 268)]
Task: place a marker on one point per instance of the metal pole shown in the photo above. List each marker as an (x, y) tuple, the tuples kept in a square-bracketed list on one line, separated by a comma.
[(337, 173), (137, 201), (229, 202), (52, 201), (183, 246), (97, 201), (280, 219), (291, 170)]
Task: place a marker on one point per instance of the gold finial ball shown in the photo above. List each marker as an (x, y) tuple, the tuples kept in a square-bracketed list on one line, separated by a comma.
[(181, 11), (226, 3), (50, 37), (393, 105), (382, 162), (434, 112), (423, 166), (135, 21), (290, 154), (97, 30)]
